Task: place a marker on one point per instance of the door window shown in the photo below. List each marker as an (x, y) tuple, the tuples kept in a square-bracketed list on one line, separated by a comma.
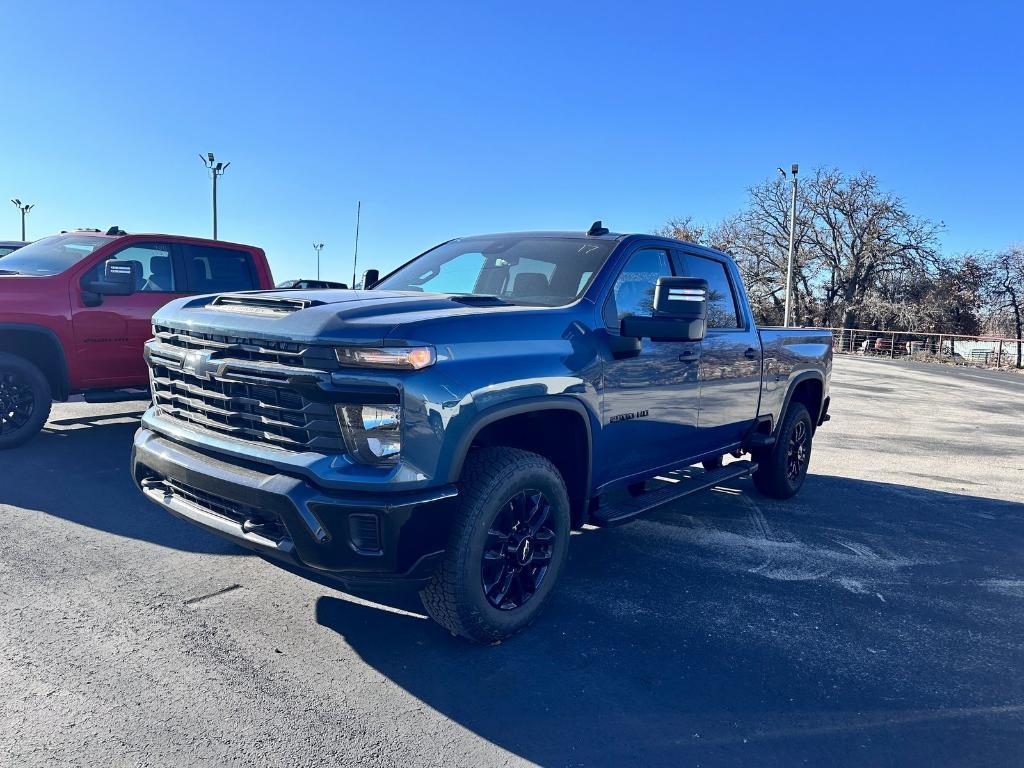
[(633, 293), (721, 299), (215, 270), (156, 268)]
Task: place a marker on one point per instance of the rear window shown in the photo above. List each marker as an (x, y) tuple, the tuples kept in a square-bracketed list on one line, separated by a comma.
[(218, 270), (51, 255)]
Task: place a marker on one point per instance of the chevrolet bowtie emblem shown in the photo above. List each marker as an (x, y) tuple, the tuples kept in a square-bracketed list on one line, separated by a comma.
[(198, 363)]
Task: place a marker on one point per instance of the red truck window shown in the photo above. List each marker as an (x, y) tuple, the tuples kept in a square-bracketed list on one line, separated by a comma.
[(213, 270)]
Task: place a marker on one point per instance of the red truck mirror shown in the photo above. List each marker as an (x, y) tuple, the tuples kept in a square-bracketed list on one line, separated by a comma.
[(120, 278)]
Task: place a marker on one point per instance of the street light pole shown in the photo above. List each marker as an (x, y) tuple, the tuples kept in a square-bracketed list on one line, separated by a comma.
[(792, 247), (318, 247), (216, 169), (24, 208), (355, 256)]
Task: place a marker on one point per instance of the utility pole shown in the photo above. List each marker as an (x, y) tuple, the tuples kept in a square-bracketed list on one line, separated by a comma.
[(216, 169), (318, 247), (355, 256), (24, 208), (792, 247)]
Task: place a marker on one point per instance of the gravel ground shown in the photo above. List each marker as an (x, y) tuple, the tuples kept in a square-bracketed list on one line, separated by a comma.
[(876, 619)]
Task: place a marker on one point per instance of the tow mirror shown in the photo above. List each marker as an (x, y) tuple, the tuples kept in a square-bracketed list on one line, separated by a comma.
[(370, 278), (679, 312), (119, 278)]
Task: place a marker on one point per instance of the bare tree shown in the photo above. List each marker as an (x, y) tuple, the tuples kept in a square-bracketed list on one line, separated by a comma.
[(685, 228), (862, 235), (861, 257), (1006, 290)]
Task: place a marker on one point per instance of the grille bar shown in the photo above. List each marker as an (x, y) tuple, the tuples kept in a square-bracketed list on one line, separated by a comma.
[(244, 388)]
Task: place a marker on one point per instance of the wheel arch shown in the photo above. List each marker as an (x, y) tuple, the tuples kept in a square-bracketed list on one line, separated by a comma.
[(525, 424), (41, 347), (807, 387)]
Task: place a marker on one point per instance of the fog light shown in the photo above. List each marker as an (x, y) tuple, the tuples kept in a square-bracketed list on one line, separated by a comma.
[(373, 433)]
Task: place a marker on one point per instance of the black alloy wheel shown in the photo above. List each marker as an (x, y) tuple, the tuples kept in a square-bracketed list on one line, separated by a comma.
[(798, 451), (508, 543), (782, 468), (17, 402), (25, 400), (518, 552)]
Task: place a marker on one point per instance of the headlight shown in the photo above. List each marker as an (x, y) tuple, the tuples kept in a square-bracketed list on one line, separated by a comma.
[(373, 433), (400, 358)]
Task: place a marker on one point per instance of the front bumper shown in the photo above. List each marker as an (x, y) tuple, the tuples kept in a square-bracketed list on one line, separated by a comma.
[(356, 537)]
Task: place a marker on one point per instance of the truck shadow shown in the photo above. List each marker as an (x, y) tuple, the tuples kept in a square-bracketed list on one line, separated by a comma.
[(731, 629), (78, 469)]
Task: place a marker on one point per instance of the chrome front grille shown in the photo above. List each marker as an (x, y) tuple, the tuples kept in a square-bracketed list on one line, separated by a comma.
[(245, 388)]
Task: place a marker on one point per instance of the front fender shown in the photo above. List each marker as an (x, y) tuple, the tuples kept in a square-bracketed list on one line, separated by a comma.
[(456, 449)]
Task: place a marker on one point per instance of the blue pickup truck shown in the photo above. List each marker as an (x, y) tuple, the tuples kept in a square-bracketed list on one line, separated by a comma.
[(450, 424)]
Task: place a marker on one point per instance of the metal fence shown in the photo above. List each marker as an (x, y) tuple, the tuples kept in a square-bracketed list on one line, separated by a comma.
[(948, 348)]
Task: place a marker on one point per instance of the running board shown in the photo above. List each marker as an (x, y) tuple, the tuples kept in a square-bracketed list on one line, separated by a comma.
[(630, 509)]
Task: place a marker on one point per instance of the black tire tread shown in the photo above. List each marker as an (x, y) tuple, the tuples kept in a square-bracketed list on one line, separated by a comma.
[(484, 469), (770, 477), (43, 403)]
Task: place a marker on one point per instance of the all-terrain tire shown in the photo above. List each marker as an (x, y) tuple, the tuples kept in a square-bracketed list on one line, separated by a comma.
[(781, 469), (25, 400), (492, 479)]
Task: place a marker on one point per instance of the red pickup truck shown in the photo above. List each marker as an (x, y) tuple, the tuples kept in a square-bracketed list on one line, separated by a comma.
[(76, 309)]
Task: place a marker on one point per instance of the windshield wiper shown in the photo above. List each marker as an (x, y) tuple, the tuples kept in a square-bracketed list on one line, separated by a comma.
[(9, 272)]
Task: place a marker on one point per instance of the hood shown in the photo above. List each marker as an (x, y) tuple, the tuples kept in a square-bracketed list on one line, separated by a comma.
[(324, 317)]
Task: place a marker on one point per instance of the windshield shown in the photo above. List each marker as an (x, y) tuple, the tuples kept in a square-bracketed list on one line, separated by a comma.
[(51, 255), (6, 249), (519, 269)]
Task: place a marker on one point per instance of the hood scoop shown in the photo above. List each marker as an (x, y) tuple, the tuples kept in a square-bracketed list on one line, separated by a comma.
[(261, 305), (479, 300)]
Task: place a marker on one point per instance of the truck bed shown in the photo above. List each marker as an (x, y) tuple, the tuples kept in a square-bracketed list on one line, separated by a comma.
[(789, 354)]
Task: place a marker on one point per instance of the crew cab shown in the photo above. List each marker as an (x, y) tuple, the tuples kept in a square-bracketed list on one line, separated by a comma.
[(450, 426), (76, 309)]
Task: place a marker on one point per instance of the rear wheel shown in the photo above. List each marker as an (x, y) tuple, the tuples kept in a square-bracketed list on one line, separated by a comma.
[(508, 543), (25, 400), (781, 469), (710, 465)]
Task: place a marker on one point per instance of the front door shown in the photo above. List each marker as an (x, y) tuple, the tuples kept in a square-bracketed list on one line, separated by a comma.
[(650, 402), (110, 337)]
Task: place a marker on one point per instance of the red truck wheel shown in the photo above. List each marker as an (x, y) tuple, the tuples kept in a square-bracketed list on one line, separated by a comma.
[(25, 400)]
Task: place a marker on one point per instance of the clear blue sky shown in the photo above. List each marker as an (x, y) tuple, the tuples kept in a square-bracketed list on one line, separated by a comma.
[(450, 120)]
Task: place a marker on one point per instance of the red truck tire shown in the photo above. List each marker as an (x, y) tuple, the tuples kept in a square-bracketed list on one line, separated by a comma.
[(25, 400)]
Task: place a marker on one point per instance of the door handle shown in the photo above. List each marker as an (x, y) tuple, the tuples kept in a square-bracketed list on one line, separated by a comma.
[(689, 357), (750, 354)]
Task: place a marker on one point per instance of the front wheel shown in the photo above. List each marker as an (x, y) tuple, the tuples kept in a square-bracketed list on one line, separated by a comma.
[(508, 543), (25, 400), (782, 468)]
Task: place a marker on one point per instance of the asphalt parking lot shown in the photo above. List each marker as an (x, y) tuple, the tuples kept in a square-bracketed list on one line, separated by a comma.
[(876, 619)]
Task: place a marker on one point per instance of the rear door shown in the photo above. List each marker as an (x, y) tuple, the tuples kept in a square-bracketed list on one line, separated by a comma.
[(110, 337), (730, 360)]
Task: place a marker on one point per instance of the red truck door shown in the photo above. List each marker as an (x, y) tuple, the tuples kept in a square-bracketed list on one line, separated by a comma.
[(109, 337)]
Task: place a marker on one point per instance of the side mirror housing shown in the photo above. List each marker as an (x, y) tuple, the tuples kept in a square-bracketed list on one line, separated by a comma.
[(680, 312), (119, 278), (370, 278)]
